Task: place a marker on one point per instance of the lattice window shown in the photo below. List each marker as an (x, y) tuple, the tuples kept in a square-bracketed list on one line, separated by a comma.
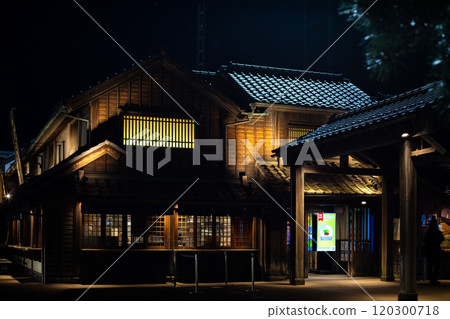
[(92, 230), (155, 235), (204, 231), (158, 131), (114, 230), (129, 233), (242, 229), (186, 231), (296, 132), (223, 231), (137, 225)]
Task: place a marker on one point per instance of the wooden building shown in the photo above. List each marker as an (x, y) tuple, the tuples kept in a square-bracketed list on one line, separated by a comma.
[(88, 196), (404, 139)]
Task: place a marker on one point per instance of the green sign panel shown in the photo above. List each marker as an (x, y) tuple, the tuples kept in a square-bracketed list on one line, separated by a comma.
[(326, 232)]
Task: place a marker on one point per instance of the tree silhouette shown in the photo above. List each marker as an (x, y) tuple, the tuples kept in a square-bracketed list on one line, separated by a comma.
[(403, 34)]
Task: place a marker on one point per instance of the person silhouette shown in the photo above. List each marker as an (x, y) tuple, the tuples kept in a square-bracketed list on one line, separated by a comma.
[(433, 239)]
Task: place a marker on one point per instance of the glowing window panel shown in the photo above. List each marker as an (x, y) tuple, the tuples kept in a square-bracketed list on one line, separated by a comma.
[(204, 231), (92, 230), (114, 230), (185, 231), (155, 235), (129, 234), (223, 231), (158, 131)]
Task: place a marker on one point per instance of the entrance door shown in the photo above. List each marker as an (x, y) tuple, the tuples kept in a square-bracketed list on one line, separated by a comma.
[(361, 261)]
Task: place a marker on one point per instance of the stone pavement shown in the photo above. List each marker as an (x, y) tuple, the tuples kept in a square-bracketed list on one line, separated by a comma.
[(318, 287)]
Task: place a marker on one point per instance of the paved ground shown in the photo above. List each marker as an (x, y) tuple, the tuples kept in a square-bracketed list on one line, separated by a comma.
[(17, 286)]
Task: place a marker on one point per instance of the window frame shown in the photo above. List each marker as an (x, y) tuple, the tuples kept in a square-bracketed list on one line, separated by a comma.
[(184, 129)]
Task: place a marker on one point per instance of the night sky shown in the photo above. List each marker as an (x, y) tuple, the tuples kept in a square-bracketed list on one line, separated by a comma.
[(53, 50)]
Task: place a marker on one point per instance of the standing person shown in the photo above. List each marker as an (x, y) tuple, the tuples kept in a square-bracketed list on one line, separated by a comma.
[(433, 239)]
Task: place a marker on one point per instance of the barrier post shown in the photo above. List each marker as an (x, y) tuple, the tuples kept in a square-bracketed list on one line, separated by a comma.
[(174, 269), (226, 268), (253, 271), (196, 273)]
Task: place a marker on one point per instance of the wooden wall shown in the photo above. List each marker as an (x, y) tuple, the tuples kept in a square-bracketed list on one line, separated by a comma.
[(60, 237)]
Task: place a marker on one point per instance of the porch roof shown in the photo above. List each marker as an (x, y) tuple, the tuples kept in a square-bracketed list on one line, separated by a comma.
[(320, 184), (160, 193), (389, 109)]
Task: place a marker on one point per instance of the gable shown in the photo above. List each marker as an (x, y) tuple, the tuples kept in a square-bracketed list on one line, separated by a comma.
[(134, 91)]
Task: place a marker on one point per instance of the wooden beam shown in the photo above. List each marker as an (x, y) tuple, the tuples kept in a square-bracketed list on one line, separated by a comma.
[(441, 149), (343, 161), (342, 171), (423, 151), (89, 158)]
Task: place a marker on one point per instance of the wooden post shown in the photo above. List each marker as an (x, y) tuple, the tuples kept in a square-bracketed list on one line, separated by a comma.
[(408, 225), (16, 147), (387, 230), (77, 237), (297, 257)]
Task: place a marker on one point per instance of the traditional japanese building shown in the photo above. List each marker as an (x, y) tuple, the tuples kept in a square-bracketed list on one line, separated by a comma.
[(404, 140), (98, 175)]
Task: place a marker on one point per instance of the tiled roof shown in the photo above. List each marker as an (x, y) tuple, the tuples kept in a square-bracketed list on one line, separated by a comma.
[(397, 106), (167, 190), (318, 184), (283, 86), (5, 154)]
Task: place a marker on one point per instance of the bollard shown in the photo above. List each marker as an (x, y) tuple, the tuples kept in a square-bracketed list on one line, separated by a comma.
[(226, 268), (174, 269), (253, 271), (196, 274)]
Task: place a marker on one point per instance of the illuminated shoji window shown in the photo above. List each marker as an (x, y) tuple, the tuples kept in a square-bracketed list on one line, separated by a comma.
[(129, 242), (223, 231), (296, 132), (135, 228), (114, 230), (92, 229), (155, 235), (204, 231), (186, 231), (158, 131), (242, 228)]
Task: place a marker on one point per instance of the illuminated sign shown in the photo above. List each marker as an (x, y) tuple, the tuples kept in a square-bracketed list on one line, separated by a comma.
[(326, 232)]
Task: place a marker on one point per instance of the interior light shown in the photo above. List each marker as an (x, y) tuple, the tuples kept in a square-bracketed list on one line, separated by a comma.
[(405, 135), (8, 196), (363, 202)]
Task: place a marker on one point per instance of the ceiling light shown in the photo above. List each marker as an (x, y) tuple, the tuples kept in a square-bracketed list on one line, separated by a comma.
[(405, 135), (363, 202), (8, 196)]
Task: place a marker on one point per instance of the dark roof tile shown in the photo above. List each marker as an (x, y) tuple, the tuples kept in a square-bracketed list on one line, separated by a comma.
[(296, 87), (378, 112)]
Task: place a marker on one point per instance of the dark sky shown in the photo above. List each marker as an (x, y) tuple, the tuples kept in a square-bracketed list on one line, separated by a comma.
[(53, 50)]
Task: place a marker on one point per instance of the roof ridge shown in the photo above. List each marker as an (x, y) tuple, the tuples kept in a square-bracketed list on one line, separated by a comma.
[(232, 65), (203, 72), (392, 99)]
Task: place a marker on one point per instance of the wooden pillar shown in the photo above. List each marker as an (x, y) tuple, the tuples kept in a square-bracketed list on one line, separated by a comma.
[(408, 224), (77, 237), (297, 262), (387, 230), (44, 250)]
